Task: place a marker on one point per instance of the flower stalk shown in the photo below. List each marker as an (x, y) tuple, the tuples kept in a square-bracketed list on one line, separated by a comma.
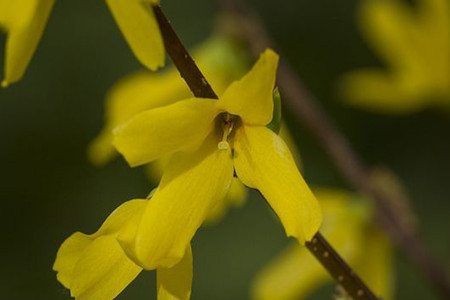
[(200, 87)]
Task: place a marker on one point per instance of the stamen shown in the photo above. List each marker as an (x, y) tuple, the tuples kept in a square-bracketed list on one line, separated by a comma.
[(227, 127), (223, 145)]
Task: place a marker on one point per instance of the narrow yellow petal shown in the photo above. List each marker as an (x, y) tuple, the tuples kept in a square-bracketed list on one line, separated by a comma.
[(68, 255), (103, 271), (392, 30), (134, 94), (140, 28), (287, 137), (222, 60), (24, 22), (155, 169), (165, 130), (121, 216), (295, 274), (381, 91), (75, 247), (436, 14), (251, 97), (378, 271), (176, 283), (193, 183), (435, 20), (263, 161), (236, 196)]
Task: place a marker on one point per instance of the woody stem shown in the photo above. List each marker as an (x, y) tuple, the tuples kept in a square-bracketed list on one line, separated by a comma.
[(182, 59), (339, 269), (200, 87)]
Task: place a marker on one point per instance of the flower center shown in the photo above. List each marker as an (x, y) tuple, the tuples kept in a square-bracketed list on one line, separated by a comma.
[(227, 127)]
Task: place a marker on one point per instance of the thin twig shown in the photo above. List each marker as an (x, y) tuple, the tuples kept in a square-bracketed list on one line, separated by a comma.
[(334, 264), (182, 60), (308, 111), (320, 248)]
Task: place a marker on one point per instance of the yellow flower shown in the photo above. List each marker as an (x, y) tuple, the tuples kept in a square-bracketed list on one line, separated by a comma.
[(95, 266), (210, 140), (294, 274), (24, 22), (222, 60), (414, 43)]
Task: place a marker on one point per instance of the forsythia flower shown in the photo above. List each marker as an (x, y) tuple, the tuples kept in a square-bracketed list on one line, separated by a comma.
[(294, 274), (414, 43), (94, 267), (24, 22), (209, 141), (221, 59)]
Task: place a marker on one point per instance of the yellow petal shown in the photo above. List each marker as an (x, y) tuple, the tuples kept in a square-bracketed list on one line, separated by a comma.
[(378, 271), (74, 248), (24, 22), (155, 169), (175, 283), (287, 137), (103, 271), (193, 183), (436, 13), (68, 255), (121, 216), (222, 60), (251, 97), (165, 130), (392, 30), (140, 28), (263, 161), (236, 196), (380, 91), (291, 275), (132, 95), (295, 274), (435, 17)]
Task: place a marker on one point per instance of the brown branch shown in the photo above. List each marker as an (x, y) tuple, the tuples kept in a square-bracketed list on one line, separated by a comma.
[(308, 111), (339, 269), (319, 247), (182, 60)]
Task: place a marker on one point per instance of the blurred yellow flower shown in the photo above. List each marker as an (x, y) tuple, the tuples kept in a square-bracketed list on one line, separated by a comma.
[(95, 266), (24, 22), (414, 43), (348, 225), (210, 141)]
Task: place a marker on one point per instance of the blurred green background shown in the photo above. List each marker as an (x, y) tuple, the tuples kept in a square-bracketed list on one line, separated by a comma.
[(48, 189)]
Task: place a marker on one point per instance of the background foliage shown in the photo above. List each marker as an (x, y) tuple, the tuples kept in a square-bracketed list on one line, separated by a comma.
[(48, 189)]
